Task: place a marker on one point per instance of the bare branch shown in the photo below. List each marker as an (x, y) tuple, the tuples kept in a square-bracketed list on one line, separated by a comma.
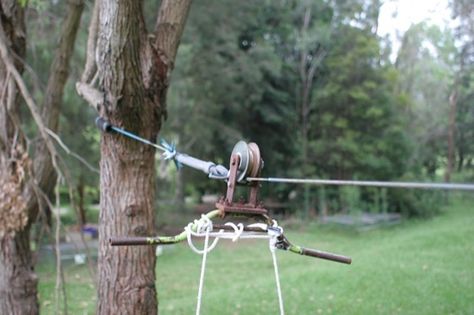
[(304, 53), (59, 69), (7, 60), (60, 289), (68, 151), (68, 179)]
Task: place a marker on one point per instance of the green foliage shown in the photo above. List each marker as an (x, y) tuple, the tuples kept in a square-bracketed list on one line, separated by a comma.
[(40, 5), (427, 53), (366, 119), (358, 131), (351, 199)]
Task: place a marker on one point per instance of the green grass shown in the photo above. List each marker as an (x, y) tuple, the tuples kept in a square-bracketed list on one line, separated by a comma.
[(418, 267)]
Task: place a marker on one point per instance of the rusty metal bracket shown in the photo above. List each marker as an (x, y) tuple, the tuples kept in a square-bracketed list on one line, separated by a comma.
[(251, 207)]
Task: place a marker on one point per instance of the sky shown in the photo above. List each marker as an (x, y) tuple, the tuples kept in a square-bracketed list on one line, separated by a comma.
[(396, 16)]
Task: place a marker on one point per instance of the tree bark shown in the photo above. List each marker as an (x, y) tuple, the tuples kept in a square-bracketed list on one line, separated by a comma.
[(134, 70), (18, 281), (80, 205)]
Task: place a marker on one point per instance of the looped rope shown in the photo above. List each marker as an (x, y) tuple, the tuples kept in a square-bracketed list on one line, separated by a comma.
[(204, 227), (238, 230)]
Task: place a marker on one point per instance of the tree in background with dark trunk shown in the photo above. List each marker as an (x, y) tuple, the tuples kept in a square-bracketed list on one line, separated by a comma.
[(133, 68), (23, 180), (463, 11)]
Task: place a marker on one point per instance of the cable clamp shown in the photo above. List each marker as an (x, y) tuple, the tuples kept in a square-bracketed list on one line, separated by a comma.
[(170, 153)]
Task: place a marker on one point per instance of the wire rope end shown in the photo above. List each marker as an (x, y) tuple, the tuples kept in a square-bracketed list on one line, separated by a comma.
[(103, 124)]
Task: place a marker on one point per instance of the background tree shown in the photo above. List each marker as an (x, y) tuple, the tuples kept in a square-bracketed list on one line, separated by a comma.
[(463, 87), (355, 125), (23, 180), (427, 52)]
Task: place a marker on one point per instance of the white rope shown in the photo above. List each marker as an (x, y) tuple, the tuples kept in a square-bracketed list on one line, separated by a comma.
[(204, 227), (238, 229), (272, 245)]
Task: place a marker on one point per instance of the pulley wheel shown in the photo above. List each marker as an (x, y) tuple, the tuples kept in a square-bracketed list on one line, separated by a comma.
[(242, 150), (255, 160)]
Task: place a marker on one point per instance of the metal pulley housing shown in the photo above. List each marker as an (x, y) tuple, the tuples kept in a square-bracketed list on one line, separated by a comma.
[(251, 161)]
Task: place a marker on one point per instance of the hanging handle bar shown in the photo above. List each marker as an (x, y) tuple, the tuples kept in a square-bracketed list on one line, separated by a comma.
[(138, 241), (325, 255)]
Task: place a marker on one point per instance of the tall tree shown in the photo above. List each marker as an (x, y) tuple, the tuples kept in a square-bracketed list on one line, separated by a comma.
[(134, 68), (463, 10), (425, 65), (357, 126), (20, 178)]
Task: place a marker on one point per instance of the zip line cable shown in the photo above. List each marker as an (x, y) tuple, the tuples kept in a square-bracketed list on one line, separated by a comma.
[(366, 183)]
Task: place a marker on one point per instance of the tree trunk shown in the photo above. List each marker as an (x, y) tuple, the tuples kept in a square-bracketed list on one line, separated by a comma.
[(460, 160), (451, 135), (308, 67), (18, 282), (133, 74), (80, 205)]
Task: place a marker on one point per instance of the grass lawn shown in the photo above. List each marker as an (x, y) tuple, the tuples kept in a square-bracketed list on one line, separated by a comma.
[(418, 267)]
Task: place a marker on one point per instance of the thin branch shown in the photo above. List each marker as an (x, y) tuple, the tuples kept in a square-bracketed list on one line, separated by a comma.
[(42, 196), (68, 178), (59, 69), (304, 53), (7, 60), (35, 80), (72, 153), (59, 274)]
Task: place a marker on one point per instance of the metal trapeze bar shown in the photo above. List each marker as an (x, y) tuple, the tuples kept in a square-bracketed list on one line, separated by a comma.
[(282, 241), (419, 185)]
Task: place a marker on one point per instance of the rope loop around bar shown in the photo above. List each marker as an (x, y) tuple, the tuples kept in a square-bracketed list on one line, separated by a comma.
[(204, 228)]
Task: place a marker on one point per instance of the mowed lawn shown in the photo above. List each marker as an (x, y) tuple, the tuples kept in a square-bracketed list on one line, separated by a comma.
[(417, 267)]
